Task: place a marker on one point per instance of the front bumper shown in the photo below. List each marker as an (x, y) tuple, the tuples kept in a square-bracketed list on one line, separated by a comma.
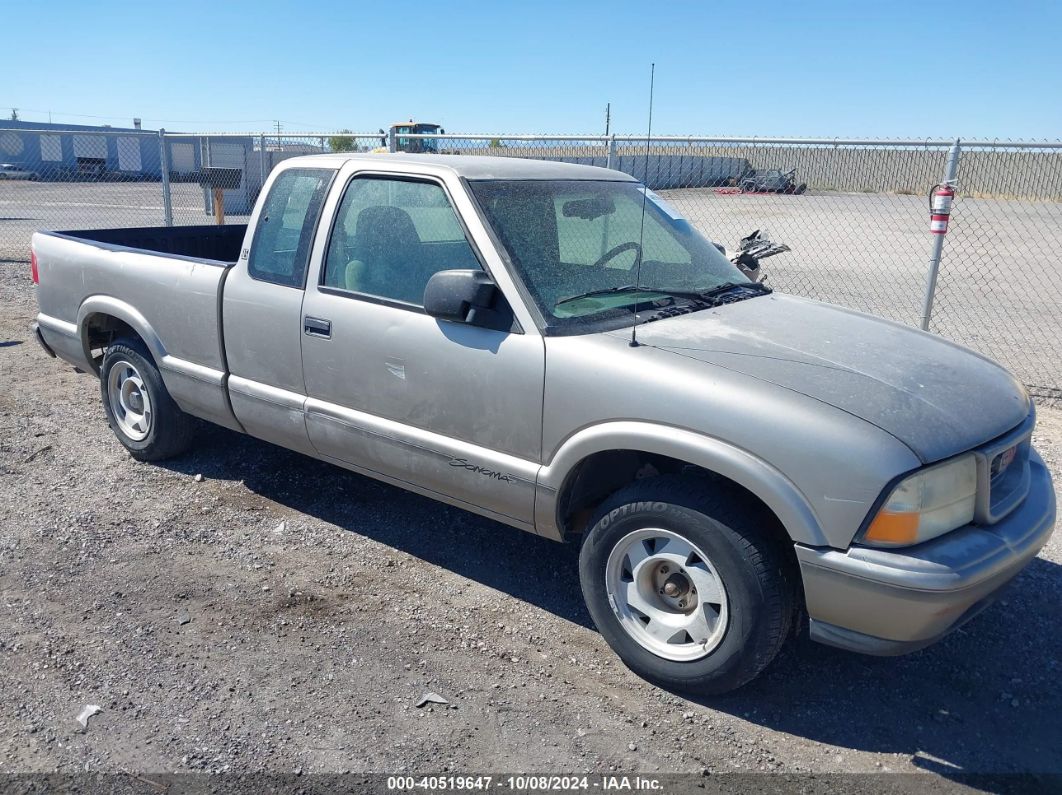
[(893, 601)]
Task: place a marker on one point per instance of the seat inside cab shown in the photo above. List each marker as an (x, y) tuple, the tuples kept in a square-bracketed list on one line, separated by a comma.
[(391, 250)]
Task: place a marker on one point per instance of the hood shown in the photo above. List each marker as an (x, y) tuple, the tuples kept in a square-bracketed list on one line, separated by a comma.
[(936, 397)]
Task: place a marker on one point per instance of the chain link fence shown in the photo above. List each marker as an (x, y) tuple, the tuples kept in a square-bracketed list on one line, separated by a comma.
[(1000, 285), (63, 179), (854, 214), (253, 155)]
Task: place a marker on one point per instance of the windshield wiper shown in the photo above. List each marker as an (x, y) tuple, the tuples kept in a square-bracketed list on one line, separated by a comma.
[(722, 294), (623, 288), (727, 293), (711, 295), (758, 288)]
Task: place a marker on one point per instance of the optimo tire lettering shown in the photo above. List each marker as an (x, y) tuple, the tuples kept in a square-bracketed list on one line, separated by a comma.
[(623, 510)]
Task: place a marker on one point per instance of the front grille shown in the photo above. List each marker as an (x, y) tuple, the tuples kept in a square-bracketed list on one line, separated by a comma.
[(1004, 473)]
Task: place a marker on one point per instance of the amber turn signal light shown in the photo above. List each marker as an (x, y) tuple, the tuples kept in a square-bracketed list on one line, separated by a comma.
[(893, 528)]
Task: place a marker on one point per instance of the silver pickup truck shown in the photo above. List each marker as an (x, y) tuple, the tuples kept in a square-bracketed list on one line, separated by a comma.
[(462, 327)]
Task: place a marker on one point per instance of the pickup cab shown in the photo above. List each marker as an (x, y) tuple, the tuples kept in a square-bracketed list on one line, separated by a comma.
[(555, 347)]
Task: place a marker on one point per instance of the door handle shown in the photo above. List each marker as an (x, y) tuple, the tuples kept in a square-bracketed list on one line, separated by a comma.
[(316, 327)]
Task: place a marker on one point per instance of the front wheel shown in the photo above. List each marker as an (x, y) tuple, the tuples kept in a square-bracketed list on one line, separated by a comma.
[(139, 408), (687, 583)]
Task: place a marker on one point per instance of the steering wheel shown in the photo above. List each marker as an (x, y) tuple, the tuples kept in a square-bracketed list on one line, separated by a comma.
[(615, 251)]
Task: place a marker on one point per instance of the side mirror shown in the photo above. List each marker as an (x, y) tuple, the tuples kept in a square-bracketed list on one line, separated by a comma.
[(466, 296)]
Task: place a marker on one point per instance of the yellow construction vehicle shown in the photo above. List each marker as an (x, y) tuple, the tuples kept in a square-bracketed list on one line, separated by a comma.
[(400, 132)]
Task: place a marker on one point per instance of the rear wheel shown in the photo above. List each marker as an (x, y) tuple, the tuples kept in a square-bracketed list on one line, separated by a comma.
[(688, 582), (139, 408)]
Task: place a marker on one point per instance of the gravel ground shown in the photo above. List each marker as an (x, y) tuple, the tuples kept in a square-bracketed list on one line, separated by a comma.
[(244, 608)]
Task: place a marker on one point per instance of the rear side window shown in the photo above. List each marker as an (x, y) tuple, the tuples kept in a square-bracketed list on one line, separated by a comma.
[(282, 240)]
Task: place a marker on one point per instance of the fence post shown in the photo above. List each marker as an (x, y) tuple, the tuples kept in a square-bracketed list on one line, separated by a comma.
[(950, 172), (611, 157), (261, 161), (392, 143), (164, 165)]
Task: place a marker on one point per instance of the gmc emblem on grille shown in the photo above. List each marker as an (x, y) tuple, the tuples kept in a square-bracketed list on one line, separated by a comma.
[(1002, 461)]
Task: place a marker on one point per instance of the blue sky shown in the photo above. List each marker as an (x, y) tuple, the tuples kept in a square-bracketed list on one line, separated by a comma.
[(886, 68)]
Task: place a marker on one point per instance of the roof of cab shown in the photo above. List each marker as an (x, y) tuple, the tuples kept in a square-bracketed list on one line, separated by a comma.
[(474, 167)]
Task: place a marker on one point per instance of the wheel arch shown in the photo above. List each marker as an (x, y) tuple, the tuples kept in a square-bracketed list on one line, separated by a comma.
[(618, 451), (100, 317)]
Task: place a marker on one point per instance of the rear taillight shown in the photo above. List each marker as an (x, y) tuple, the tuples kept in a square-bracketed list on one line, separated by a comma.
[(33, 267)]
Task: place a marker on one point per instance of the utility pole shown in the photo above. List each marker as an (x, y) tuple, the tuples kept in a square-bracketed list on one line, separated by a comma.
[(278, 130), (608, 117)]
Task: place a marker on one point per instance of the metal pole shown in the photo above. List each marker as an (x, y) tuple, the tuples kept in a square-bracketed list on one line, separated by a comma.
[(208, 194), (610, 159), (261, 161), (392, 144), (164, 165), (951, 170)]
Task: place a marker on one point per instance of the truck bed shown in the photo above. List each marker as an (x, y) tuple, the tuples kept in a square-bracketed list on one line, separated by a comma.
[(214, 243), (162, 282)]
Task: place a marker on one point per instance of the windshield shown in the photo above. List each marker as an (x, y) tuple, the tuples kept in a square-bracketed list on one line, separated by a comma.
[(577, 244)]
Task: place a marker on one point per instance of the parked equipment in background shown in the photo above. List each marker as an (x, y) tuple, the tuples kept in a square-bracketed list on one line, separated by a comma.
[(771, 180), (751, 250), (397, 140)]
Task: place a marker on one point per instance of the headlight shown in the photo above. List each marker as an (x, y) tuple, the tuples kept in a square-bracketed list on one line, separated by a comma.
[(926, 505)]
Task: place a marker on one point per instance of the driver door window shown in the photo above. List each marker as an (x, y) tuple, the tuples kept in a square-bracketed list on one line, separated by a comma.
[(390, 236)]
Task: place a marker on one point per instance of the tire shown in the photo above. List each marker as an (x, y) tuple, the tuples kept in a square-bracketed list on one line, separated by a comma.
[(734, 633), (138, 406)]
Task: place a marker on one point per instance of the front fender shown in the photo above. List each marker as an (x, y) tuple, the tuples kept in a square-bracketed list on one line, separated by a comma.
[(776, 490)]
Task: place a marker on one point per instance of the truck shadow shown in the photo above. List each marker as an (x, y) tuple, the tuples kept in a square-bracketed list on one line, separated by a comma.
[(986, 699), (534, 569)]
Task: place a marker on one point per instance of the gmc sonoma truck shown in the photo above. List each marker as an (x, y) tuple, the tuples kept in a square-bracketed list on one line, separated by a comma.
[(462, 327)]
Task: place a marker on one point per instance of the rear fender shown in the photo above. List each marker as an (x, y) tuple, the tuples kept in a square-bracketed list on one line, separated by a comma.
[(197, 389), (108, 305)]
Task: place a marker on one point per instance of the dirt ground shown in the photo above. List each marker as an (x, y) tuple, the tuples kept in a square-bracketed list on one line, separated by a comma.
[(279, 614)]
